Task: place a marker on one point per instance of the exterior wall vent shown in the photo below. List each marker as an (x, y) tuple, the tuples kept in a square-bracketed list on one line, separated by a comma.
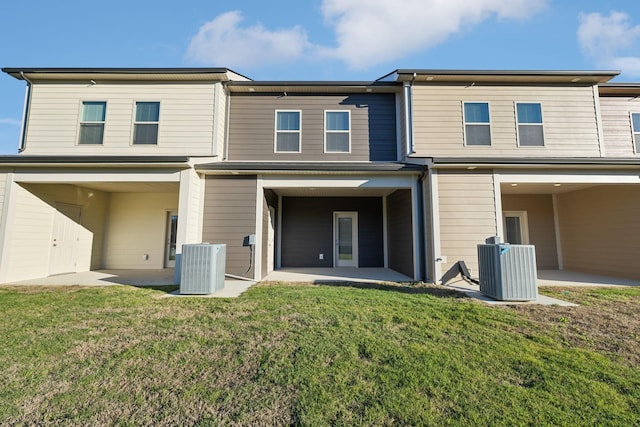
[(508, 272), (202, 268)]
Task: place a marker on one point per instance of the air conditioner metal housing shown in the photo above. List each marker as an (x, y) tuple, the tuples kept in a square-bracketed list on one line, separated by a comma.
[(202, 268), (508, 272)]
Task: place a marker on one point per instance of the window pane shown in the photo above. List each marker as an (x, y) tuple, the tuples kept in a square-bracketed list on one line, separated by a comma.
[(93, 111), (345, 238), (530, 136), (338, 142), (513, 230), (635, 117), (288, 142), (91, 133), (529, 113), (145, 134), (476, 112), (288, 120), (337, 120), (478, 135), (147, 111)]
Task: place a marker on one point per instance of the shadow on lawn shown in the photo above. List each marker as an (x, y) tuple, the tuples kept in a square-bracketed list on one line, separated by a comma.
[(400, 287)]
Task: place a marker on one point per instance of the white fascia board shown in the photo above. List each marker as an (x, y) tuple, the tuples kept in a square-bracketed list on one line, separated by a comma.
[(71, 177), (342, 182)]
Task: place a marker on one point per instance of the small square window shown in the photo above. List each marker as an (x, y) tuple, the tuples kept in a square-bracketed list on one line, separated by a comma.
[(337, 131), (530, 132), (92, 122), (635, 127), (477, 126), (287, 132), (145, 127)]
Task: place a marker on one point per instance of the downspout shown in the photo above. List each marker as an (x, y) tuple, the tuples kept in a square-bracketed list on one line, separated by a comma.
[(25, 113), (408, 115)]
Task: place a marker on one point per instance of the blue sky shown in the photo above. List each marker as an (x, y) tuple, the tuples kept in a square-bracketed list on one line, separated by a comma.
[(314, 39)]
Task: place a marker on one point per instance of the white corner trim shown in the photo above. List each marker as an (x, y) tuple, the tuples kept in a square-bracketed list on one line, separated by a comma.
[(497, 197), (435, 225), (257, 249), (415, 221), (279, 234), (183, 210), (8, 213), (556, 223)]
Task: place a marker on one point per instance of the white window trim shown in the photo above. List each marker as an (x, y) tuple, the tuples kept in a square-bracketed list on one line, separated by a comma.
[(518, 124), (465, 123), (635, 133), (524, 224), (275, 132), (336, 131), (81, 122), (133, 125)]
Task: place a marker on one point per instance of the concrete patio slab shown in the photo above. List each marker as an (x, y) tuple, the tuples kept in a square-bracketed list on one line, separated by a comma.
[(572, 278), (232, 289), (473, 291), (142, 278), (340, 274)]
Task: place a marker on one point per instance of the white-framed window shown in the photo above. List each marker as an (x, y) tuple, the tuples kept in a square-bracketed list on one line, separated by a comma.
[(635, 128), (288, 133), (516, 227), (145, 124), (477, 124), (92, 119), (337, 131), (530, 128)]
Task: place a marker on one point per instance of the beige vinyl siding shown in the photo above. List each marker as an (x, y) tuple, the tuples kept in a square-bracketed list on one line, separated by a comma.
[(467, 215), (137, 226), (3, 190), (30, 235), (600, 230), (185, 126), (229, 216), (373, 126), (542, 234), (569, 116), (616, 124)]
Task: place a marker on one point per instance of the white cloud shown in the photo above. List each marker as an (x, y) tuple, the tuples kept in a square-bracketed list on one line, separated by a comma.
[(367, 32), (10, 122), (607, 39), (370, 32), (223, 42)]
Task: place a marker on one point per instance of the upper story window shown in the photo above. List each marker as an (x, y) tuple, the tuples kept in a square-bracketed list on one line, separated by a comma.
[(145, 125), (92, 122), (288, 131), (477, 125), (635, 126), (337, 131), (530, 132)]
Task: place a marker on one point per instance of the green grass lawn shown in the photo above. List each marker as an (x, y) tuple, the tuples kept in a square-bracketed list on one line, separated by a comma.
[(315, 355)]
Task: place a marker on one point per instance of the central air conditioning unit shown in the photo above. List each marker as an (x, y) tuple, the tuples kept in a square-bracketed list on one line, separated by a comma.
[(202, 268), (508, 272)]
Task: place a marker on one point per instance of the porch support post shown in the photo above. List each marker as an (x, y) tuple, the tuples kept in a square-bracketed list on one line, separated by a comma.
[(257, 248), (415, 221), (190, 206), (556, 223), (6, 221), (385, 235), (279, 234)]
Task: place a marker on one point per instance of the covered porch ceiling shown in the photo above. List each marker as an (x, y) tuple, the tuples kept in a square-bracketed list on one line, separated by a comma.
[(333, 192), (542, 188)]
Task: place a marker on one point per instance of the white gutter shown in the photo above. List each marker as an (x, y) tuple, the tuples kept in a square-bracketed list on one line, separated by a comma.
[(25, 113), (408, 115)]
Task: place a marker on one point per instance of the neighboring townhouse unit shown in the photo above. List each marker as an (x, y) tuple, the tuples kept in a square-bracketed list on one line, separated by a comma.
[(119, 167), (106, 166), (535, 157)]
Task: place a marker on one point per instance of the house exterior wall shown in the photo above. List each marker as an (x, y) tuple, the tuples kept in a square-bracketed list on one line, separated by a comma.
[(600, 231), (542, 234), (616, 124), (569, 120), (252, 126), (400, 232), (269, 199), (467, 215), (307, 230), (230, 216), (185, 126), (3, 190), (137, 225)]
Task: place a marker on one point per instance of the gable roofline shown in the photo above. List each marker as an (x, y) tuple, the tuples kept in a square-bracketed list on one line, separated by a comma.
[(500, 76), (161, 74)]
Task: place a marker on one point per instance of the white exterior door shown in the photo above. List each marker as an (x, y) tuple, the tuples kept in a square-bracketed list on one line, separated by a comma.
[(345, 233), (65, 239), (171, 238)]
